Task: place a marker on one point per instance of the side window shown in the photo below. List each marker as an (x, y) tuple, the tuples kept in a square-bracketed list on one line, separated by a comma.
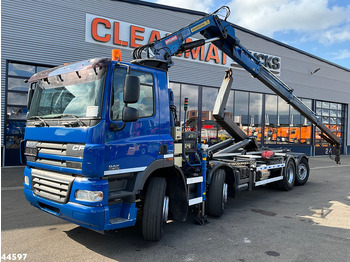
[(145, 105)]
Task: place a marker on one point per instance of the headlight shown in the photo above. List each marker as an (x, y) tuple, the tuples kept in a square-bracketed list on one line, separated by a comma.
[(31, 149), (26, 180), (91, 196)]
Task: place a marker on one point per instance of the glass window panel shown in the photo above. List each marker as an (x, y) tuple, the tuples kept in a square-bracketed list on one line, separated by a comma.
[(190, 92), (13, 142), (319, 111), (333, 113), (325, 104), (295, 117), (333, 120), (318, 104), (16, 98), (271, 109), (17, 112), (176, 91), (21, 70), (297, 132), (15, 127), (283, 112), (305, 134), (255, 112), (283, 121), (145, 105), (255, 108), (241, 110), (325, 120), (230, 105), (145, 79), (209, 96), (17, 84), (333, 106), (339, 113), (338, 121), (305, 129), (307, 102), (209, 130), (325, 112), (270, 131), (339, 106)]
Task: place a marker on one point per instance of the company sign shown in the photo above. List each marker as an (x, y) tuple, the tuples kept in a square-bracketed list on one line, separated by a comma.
[(115, 33)]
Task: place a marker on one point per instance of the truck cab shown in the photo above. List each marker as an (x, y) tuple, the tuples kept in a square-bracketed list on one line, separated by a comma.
[(97, 130)]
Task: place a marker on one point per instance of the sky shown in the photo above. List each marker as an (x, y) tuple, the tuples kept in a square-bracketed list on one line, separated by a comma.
[(319, 27)]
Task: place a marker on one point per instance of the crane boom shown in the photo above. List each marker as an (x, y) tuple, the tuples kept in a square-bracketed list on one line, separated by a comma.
[(222, 34)]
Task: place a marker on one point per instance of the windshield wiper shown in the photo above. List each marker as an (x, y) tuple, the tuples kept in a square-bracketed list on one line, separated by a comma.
[(81, 123), (42, 123)]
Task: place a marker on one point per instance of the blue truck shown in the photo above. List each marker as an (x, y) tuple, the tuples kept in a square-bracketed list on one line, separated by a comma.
[(103, 147)]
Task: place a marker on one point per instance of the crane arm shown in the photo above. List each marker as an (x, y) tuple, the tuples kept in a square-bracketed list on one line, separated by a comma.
[(222, 34)]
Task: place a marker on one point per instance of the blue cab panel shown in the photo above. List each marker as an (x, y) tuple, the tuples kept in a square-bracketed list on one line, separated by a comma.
[(105, 153)]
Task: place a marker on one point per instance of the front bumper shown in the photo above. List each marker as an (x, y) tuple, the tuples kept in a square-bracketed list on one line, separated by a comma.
[(96, 216)]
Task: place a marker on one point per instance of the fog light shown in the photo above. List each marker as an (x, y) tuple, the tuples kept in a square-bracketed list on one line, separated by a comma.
[(91, 196), (26, 180)]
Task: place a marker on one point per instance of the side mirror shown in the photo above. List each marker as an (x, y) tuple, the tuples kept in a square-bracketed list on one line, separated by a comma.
[(30, 96), (130, 114), (131, 89)]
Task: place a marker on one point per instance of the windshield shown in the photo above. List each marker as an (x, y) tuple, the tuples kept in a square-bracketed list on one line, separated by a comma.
[(78, 94)]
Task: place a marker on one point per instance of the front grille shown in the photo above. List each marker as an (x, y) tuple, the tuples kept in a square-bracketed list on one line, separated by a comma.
[(65, 155), (51, 185), (52, 148)]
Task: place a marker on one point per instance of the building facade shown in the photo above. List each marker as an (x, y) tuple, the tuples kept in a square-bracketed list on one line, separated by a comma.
[(37, 35)]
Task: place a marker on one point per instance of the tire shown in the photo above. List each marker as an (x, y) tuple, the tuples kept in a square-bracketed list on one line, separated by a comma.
[(302, 172), (217, 194), (289, 174), (155, 210)]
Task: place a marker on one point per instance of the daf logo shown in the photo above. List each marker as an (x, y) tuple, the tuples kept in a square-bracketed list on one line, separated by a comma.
[(113, 167), (77, 148)]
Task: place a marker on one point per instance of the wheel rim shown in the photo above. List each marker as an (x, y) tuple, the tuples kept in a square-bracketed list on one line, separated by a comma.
[(224, 194), (302, 171), (165, 209), (290, 174)]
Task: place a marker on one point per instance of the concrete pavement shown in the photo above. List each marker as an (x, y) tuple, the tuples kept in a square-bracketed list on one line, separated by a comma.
[(309, 223)]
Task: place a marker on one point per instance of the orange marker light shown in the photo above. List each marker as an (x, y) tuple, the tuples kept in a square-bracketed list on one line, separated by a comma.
[(116, 55)]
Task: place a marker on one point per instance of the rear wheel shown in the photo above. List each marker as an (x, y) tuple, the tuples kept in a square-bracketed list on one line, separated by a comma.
[(156, 208), (288, 180), (217, 194), (303, 172)]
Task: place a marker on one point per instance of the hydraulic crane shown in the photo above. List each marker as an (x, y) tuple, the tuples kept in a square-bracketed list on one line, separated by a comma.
[(221, 33)]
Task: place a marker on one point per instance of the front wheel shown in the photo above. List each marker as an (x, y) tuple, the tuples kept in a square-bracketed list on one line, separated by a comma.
[(217, 194), (303, 172), (288, 180), (156, 208)]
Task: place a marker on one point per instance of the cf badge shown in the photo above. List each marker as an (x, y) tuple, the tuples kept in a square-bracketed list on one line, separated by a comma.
[(77, 147)]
